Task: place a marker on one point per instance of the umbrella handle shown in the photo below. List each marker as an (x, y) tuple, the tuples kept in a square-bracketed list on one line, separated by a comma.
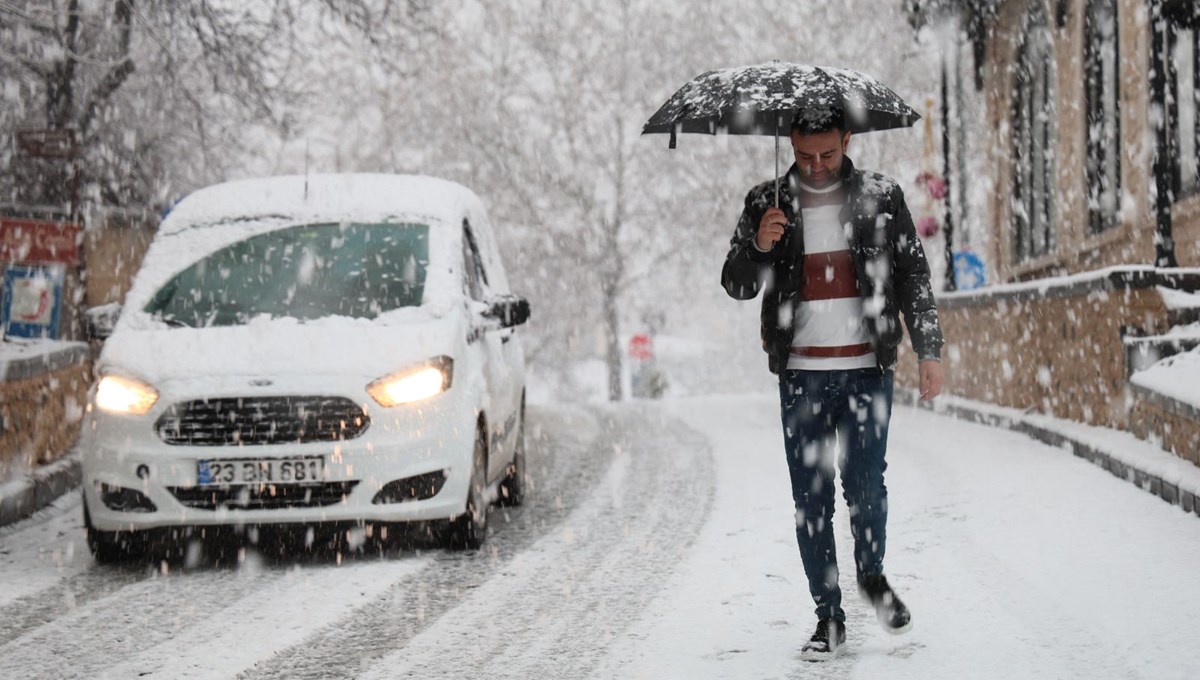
[(776, 161)]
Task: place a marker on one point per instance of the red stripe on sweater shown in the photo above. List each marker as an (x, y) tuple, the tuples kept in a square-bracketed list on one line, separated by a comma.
[(829, 276), (833, 352)]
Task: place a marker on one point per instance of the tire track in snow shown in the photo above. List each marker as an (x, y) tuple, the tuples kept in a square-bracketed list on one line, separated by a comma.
[(549, 593), (27, 613), (109, 615), (272, 616), (42, 553), (563, 464), (90, 638), (557, 608)]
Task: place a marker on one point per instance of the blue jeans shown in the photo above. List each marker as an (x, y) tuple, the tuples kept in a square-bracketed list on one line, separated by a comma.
[(842, 417)]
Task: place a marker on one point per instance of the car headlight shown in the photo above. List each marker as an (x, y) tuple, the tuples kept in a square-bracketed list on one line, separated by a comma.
[(125, 395), (414, 384)]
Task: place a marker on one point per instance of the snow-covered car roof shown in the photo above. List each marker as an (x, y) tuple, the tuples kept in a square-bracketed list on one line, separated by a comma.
[(323, 197)]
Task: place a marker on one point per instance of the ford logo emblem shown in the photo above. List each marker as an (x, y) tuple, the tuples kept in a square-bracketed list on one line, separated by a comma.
[(263, 382)]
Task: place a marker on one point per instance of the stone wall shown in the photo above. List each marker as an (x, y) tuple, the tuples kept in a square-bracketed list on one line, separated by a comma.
[(112, 253), (1053, 346), (1171, 424), (42, 404)]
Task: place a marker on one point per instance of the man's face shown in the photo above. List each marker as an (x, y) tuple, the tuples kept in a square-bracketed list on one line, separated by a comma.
[(819, 156)]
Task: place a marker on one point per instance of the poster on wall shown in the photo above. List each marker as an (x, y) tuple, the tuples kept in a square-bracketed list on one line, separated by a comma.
[(39, 241), (32, 300), (969, 271)]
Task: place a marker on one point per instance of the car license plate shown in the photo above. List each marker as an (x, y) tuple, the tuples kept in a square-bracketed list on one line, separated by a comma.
[(295, 470)]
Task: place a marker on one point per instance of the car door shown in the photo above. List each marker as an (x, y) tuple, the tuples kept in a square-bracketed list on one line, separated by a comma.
[(510, 338), (491, 346)]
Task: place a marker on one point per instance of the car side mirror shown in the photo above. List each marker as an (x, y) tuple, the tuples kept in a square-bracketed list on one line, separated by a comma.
[(102, 319), (508, 310)]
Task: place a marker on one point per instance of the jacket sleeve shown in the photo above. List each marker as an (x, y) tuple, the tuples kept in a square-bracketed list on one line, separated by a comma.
[(911, 278), (745, 265)]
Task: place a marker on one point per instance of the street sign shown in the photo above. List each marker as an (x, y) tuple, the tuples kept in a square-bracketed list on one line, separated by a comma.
[(641, 347), (32, 301), (46, 143), (38, 241)]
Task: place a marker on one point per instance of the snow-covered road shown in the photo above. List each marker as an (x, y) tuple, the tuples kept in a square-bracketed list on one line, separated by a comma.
[(658, 543)]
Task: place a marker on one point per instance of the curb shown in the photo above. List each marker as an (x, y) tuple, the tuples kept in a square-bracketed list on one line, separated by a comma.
[(1168, 491), (64, 355), (40, 488)]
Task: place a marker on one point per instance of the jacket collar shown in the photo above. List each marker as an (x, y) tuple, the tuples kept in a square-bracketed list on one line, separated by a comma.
[(851, 208), (790, 187)]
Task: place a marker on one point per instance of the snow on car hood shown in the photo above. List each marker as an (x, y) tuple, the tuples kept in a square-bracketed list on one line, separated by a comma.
[(279, 348)]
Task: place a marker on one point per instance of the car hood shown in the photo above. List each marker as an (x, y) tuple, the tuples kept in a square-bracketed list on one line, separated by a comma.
[(278, 349)]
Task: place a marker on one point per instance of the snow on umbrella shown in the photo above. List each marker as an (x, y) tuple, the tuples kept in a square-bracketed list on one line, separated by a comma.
[(760, 99)]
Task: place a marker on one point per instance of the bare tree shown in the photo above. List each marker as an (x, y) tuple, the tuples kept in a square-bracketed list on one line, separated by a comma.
[(538, 106), (545, 102), (161, 93)]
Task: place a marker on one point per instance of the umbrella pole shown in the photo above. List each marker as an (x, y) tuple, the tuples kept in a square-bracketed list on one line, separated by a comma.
[(776, 161)]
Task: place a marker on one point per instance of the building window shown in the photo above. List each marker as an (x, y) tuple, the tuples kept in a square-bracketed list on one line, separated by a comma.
[(1183, 102), (1034, 183), (1102, 99)]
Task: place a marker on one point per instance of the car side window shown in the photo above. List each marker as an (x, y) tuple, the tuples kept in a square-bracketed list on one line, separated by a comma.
[(476, 277)]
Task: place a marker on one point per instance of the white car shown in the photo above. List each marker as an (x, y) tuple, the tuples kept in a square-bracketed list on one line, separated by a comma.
[(336, 349)]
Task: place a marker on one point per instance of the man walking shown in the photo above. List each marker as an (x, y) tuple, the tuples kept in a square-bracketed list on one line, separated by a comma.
[(838, 261)]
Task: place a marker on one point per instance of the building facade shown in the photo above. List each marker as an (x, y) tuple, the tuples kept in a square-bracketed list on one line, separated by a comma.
[(1071, 145)]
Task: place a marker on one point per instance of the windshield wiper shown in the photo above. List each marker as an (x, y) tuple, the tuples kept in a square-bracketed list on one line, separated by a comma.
[(173, 322)]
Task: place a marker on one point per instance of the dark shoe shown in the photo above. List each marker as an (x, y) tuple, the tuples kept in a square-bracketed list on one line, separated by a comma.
[(826, 643), (890, 611)]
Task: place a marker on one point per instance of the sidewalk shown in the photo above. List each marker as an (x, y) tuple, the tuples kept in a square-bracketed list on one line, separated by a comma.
[(26, 495), (1017, 560), (1167, 476)]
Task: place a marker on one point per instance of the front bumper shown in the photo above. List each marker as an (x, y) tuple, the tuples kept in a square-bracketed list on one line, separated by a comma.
[(125, 453)]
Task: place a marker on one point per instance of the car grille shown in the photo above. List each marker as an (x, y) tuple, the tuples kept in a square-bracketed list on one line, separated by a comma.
[(235, 421), (264, 496)]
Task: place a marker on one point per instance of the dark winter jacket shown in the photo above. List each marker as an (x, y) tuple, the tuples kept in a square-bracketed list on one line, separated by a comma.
[(893, 275)]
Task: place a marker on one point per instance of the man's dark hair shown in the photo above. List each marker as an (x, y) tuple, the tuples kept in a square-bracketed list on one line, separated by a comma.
[(817, 120)]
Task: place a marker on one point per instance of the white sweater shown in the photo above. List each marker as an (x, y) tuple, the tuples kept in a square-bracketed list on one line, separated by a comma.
[(829, 331)]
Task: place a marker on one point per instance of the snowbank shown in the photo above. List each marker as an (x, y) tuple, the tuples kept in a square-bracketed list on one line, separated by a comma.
[(1177, 377), (23, 358)]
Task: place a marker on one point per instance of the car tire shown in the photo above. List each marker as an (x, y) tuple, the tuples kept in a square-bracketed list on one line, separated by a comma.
[(111, 547), (468, 530), (512, 488)]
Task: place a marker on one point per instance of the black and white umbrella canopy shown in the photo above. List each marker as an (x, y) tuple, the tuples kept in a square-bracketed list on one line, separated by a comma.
[(762, 99)]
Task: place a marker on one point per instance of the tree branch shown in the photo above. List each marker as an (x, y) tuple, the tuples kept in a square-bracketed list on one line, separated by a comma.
[(60, 81), (71, 38), (118, 74), (111, 83), (27, 20), (37, 69)]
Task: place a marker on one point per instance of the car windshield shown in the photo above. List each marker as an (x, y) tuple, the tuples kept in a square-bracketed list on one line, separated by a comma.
[(304, 272)]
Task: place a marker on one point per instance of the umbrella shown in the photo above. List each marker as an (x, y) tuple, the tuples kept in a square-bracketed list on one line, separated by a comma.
[(759, 100)]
